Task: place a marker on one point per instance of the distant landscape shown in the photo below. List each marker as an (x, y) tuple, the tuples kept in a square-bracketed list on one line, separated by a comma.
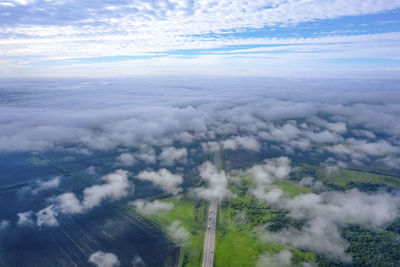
[(200, 133), (302, 183)]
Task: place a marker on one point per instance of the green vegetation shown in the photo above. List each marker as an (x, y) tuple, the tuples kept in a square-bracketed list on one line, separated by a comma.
[(191, 215), (292, 189), (346, 179), (239, 218), (372, 247)]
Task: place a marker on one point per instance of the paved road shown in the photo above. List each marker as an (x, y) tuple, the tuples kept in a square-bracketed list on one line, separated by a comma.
[(209, 242)]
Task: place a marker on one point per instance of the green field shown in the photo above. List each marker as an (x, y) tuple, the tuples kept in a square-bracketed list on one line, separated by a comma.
[(191, 215), (292, 189), (239, 218), (346, 178)]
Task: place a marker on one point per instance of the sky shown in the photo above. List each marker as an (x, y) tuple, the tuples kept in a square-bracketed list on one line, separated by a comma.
[(282, 38)]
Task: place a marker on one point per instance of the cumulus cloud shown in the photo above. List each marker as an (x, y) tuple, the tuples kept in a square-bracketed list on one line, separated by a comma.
[(241, 142), (258, 122), (25, 218), (272, 169), (41, 185), (217, 183), (324, 137), (211, 147), (163, 178), (126, 159), (68, 203), (170, 155), (325, 213), (285, 133), (174, 25), (104, 259), (46, 185), (338, 127), (47, 217), (178, 232), (151, 208), (116, 186), (147, 153)]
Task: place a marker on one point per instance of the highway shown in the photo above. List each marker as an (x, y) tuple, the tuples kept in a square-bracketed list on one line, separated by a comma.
[(209, 241)]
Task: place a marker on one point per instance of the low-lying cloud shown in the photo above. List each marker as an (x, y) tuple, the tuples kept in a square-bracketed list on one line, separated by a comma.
[(104, 259), (151, 207), (217, 183), (170, 155), (324, 213), (163, 178), (116, 186), (178, 232)]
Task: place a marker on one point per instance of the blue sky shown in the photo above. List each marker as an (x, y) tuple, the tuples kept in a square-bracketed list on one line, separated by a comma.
[(289, 38)]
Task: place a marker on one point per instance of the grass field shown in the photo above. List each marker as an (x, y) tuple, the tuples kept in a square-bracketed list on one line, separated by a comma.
[(238, 242), (191, 215), (292, 189), (346, 178)]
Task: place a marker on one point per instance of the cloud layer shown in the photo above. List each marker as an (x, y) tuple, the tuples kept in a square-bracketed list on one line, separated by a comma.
[(116, 186), (324, 213), (145, 36)]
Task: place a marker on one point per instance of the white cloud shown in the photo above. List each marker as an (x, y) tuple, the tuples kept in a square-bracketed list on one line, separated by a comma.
[(153, 207), (178, 232), (116, 186), (46, 185), (47, 217), (217, 183), (68, 203), (272, 169), (211, 147), (170, 155), (163, 178), (25, 218), (327, 212), (241, 142), (120, 29), (126, 159), (324, 213), (104, 259)]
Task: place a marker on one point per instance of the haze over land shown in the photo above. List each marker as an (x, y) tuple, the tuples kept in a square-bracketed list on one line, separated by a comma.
[(163, 124)]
